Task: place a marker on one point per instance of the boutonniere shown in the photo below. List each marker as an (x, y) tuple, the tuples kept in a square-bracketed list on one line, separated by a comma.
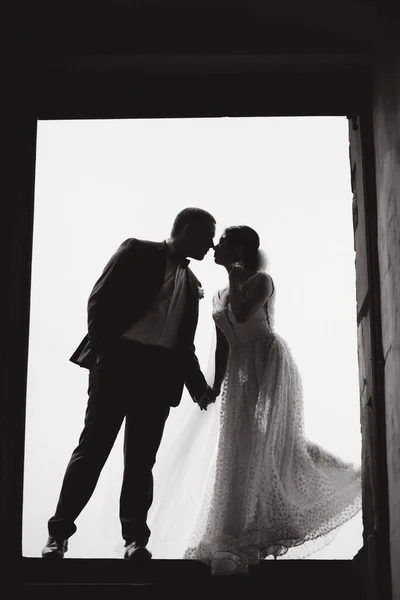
[(200, 292)]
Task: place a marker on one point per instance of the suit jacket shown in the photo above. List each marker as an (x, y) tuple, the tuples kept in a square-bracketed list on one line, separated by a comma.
[(127, 287)]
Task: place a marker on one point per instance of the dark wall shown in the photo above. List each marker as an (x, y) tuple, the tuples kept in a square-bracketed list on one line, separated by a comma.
[(387, 151)]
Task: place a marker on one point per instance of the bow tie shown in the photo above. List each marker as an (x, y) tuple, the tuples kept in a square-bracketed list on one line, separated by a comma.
[(182, 262)]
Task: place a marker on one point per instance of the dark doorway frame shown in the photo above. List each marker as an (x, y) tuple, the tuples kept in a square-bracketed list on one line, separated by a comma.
[(160, 87)]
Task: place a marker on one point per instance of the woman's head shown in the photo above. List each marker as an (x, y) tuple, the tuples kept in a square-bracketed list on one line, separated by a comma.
[(240, 243)]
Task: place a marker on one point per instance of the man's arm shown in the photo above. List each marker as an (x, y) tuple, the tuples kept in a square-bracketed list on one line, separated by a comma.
[(194, 379), (107, 297)]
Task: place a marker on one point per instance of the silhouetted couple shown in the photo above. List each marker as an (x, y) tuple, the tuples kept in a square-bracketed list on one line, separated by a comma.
[(267, 488)]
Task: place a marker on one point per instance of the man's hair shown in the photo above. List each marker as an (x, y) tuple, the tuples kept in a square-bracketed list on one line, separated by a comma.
[(197, 217)]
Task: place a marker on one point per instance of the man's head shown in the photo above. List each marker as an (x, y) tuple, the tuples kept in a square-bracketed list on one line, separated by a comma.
[(193, 232)]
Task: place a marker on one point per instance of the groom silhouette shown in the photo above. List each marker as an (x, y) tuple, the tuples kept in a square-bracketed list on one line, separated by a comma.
[(142, 318)]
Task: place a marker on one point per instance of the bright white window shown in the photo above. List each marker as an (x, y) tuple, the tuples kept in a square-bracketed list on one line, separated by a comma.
[(100, 182)]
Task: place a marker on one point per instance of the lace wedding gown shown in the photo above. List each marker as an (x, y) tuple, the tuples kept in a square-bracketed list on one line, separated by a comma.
[(240, 481), (268, 488)]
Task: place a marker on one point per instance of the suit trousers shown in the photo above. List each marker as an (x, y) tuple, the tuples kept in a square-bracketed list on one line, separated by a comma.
[(134, 384)]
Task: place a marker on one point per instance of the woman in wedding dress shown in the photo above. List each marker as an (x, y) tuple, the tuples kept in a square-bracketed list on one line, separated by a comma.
[(240, 482), (269, 488)]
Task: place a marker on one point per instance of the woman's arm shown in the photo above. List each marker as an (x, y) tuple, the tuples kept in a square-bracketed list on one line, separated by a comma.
[(245, 305), (221, 360)]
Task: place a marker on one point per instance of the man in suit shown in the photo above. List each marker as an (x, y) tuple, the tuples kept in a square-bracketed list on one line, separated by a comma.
[(142, 318)]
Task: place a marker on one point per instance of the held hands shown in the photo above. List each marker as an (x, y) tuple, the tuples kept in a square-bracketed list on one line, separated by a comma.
[(208, 397)]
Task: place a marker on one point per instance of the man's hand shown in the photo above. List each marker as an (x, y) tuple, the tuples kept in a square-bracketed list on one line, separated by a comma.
[(207, 398), (216, 391)]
